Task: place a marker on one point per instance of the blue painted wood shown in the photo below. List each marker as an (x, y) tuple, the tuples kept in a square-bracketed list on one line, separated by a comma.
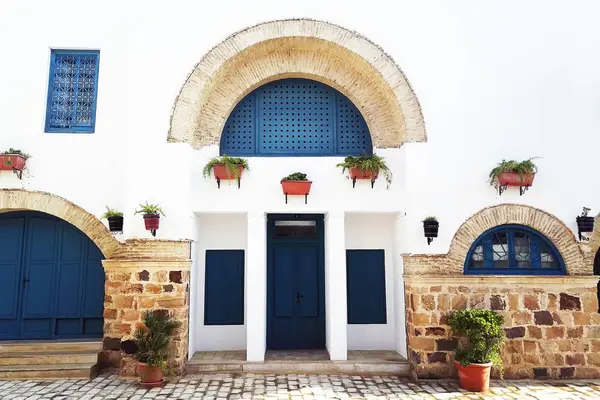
[(224, 287), (365, 280), (59, 274), (296, 289), (72, 91), (513, 250), (295, 117)]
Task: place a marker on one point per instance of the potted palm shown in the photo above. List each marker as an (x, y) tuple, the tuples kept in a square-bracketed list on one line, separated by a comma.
[(513, 173), (366, 167), (152, 213), (431, 227), (296, 184), (225, 168), (13, 160), (115, 219), (481, 337), (152, 340)]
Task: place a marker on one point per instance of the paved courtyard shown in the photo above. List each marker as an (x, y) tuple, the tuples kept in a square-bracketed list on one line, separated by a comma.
[(291, 387)]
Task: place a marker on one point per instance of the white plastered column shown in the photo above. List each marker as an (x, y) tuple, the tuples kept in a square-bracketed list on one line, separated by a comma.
[(399, 301), (335, 286), (256, 288)]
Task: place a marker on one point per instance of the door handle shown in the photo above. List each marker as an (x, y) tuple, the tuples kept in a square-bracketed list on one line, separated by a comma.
[(298, 297), (25, 280)]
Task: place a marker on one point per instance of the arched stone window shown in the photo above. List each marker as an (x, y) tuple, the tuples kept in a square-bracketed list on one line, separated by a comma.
[(295, 117), (513, 250)]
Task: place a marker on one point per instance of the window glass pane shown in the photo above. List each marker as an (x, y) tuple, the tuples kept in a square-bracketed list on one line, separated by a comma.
[(547, 257), (477, 257), (522, 249), (500, 249), (295, 228)]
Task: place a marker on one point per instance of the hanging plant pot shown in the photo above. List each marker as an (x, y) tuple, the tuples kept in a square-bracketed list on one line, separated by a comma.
[(150, 376), (152, 222), (357, 173), (431, 228), (585, 224), (115, 224), (221, 172), (12, 161), (515, 179), (297, 186), (474, 377)]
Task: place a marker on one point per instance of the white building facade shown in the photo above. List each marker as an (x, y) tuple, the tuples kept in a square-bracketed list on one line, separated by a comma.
[(442, 92)]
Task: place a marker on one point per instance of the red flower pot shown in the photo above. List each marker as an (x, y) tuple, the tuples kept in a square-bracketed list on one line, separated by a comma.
[(474, 377), (357, 173), (151, 222), (12, 161), (514, 179), (149, 375), (221, 172), (296, 187)]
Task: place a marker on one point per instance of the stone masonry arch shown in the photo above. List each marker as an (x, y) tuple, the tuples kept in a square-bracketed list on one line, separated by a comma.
[(298, 48), (18, 199)]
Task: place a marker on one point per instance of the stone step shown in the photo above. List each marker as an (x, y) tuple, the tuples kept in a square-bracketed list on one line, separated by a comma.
[(42, 371), (49, 358), (50, 346)]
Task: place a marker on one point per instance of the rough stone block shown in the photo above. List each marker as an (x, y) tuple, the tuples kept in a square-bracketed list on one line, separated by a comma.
[(516, 332), (590, 302), (593, 358), (175, 276), (144, 275), (534, 332), (421, 319), (567, 372), (529, 346), (421, 343), (446, 344), (581, 318), (428, 302), (437, 357), (444, 302), (531, 302), (435, 331), (575, 333), (459, 302), (121, 301), (513, 302), (554, 332), (153, 288), (540, 373), (568, 302), (497, 303), (575, 359), (543, 318), (522, 318)]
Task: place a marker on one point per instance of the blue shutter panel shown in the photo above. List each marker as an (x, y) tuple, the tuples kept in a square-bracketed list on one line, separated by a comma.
[(365, 273), (224, 287)]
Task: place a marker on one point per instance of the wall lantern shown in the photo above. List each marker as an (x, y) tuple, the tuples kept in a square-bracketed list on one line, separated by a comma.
[(430, 227), (585, 224)]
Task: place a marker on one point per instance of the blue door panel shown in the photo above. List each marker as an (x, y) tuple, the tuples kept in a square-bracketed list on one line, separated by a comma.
[(39, 291), (11, 239), (365, 279), (93, 289), (42, 234), (71, 245), (224, 287), (39, 328), (308, 281), (284, 281), (68, 290)]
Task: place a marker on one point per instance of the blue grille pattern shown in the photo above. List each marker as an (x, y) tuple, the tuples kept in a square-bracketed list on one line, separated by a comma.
[(72, 91), (295, 117)]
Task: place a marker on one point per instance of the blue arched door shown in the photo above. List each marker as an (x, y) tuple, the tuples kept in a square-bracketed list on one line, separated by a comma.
[(51, 279)]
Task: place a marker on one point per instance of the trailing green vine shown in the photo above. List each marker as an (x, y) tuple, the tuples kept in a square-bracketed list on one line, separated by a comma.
[(373, 164)]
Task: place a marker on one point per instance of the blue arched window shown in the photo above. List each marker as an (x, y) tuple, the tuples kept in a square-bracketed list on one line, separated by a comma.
[(295, 117), (513, 250)]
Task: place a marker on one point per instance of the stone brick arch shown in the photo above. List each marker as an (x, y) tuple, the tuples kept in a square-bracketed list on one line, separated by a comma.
[(298, 48), (545, 223), (18, 199)]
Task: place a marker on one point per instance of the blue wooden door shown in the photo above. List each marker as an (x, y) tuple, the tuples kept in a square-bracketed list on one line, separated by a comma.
[(296, 299), (52, 280)]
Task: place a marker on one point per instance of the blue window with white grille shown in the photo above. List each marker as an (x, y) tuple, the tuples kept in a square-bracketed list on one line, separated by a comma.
[(514, 250), (295, 117), (72, 91)]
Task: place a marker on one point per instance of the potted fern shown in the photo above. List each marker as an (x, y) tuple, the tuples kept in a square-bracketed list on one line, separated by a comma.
[(13, 160), (115, 219), (225, 167), (431, 227), (481, 336), (296, 184), (513, 173), (152, 340), (366, 167), (152, 213)]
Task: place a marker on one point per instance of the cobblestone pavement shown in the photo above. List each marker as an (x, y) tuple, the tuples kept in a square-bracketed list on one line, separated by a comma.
[(292, 387)]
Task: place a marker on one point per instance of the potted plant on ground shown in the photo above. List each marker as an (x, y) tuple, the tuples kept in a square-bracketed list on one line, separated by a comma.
[(225, 167), (481, 336), (585, 223), (366, 167), (13, 159), (152, 213), (513, 173), (152, 339), (296, 184), (115, 219), (430, 227)]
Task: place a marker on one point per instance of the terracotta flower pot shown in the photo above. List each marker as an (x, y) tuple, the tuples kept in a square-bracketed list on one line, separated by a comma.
[(221, 172), (474, 377), (357, 173), (151, 222), (514, 179), (585, 224), (115, 224), (431, 228), (296, 187), (149, 375), (12, 161)]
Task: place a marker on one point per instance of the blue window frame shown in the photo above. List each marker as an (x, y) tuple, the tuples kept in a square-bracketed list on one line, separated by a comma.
[(514, 250), (72, 91), (365, 282), (295, 117), (224, 287)]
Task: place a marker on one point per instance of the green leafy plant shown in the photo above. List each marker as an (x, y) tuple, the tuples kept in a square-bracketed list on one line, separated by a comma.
[(150, 209), (111, 213), (296, 176), (522, 168), (374, 164), (230, 164), (154, 337), (17, 152), (481, 336), (430, 219)]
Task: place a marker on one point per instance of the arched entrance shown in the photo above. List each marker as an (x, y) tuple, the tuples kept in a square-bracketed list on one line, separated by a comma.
[(51, 279)]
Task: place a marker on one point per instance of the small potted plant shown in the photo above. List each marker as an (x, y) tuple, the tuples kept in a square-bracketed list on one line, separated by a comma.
[(296, 184), (481, 336), (152, 213), (585, 223), (225, 168), (431, 227), (152, 340), (366, 167), (13, 160), (513, 173), (115, 219)]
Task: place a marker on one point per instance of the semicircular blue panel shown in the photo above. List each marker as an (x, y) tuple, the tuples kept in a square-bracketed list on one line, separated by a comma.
[(295, 117)]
